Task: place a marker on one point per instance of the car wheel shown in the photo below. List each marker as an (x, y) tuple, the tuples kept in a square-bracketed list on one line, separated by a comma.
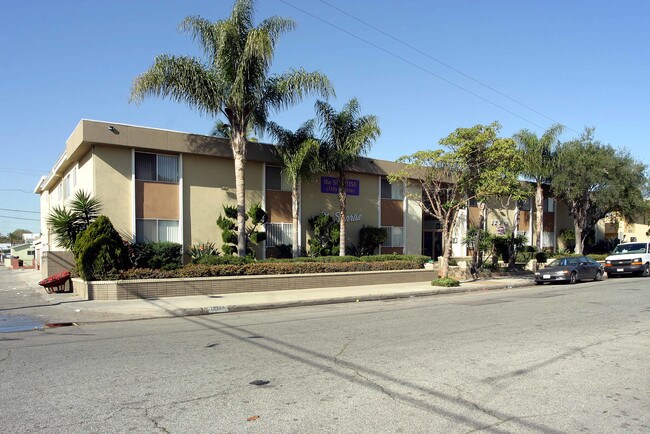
[(599, 275), (646, 271), (574, 278)]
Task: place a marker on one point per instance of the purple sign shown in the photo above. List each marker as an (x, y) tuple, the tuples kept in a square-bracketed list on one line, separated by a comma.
[(330, 184)]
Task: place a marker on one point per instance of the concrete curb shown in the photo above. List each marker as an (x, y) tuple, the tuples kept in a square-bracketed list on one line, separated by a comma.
[(195, 311)]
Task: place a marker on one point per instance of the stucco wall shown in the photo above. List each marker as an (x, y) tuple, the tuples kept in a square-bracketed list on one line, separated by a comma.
[(208, 184), (365, 205), (112, 175)]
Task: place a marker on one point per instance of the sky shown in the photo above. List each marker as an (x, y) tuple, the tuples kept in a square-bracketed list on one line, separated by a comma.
[(423, 67)]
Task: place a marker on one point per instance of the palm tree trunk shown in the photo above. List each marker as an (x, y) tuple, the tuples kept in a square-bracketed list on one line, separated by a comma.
[(539, 215), (342, 200), (478, 253), (295, 210), (238, 143)]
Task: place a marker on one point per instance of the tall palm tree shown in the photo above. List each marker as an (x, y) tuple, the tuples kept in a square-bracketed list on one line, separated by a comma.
[(538, 166), (346, 135), (233, 80), (298, 152)]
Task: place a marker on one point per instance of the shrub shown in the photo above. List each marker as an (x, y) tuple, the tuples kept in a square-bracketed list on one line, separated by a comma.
[(99, 251), (270, 267), (326, 236), (541, 257), (163, 255), (198, 251), (223, 260), (228, 226), (284, 251), (370, 238), (445, 281)]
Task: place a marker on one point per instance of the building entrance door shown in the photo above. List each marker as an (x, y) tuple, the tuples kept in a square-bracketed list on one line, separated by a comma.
[(432, 244)]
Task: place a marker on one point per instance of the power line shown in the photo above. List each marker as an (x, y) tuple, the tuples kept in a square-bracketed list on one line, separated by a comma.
[(19, 218), (446, 65), (20, 171), (16, 189), (20, 210), (412, 64)]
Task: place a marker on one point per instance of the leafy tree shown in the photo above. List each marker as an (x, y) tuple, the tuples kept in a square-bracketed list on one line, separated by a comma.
[(16, 237), (298, 152), (100, 252), (346, 135), (67, 224), (442, 198), (233, 80), (228, 228), (538, 166), (489, 167), (595, 180)]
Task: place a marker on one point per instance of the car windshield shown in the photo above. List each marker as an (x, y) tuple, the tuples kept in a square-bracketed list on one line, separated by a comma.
[(623, 249), (562, 262)]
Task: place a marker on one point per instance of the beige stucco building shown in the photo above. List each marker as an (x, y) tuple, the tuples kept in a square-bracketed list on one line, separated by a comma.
[(159, 185)]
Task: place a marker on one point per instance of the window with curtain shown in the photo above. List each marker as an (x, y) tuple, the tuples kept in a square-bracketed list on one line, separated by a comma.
[(391, 191), (395, 236), (156, 167), (153, 231)]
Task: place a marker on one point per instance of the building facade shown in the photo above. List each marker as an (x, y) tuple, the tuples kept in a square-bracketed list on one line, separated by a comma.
[(159, 185)]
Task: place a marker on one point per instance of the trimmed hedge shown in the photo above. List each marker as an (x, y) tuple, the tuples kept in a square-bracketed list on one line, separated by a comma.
[(269, 268)]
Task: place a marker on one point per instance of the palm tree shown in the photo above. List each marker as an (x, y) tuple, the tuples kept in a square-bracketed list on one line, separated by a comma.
[(298, 152), (345, 136), (232, 80), (538, 166), (68, 224)]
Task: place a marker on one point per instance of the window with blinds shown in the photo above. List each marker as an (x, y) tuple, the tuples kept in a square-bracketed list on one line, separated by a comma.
[(156, 167)]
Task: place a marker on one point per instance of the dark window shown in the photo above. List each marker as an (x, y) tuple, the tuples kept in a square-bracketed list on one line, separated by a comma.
[(273, 178), (155, 167)]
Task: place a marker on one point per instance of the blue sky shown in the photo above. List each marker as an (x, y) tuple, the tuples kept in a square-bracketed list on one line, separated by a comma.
[(581, 63)]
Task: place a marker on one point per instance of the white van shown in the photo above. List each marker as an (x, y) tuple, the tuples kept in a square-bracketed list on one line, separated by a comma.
[(629, 258)]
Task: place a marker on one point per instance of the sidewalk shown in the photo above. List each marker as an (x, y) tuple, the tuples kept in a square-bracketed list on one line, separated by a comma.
[(68, 308)]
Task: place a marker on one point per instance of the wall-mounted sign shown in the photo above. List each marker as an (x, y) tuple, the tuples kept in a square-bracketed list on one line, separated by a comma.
[(330, 184), (349, 217)]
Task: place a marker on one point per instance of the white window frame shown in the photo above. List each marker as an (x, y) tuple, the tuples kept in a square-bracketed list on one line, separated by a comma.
[(178, 173)]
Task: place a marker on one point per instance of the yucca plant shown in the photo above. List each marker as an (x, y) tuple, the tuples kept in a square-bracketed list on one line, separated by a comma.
[(68, 223)]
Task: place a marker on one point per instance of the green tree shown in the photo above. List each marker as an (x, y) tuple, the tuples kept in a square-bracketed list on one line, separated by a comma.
[(16, 237), (298, 153), (100, 252), (252, 232), (67, 223), (346, 135), (538, 166), (489, 168), (595, 180), (233, 81), (442, 197)]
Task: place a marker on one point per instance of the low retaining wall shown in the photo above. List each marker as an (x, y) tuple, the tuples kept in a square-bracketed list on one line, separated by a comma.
[(158, 288)]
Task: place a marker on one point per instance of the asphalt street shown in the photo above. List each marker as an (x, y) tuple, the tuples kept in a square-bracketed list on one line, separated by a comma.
[(561, 358)]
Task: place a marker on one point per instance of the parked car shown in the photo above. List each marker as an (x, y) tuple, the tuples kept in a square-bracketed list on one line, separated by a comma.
[(570, 269), (629, 258)]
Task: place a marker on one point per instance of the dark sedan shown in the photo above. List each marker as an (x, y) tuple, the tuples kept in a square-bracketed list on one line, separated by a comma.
[(571, 270)]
